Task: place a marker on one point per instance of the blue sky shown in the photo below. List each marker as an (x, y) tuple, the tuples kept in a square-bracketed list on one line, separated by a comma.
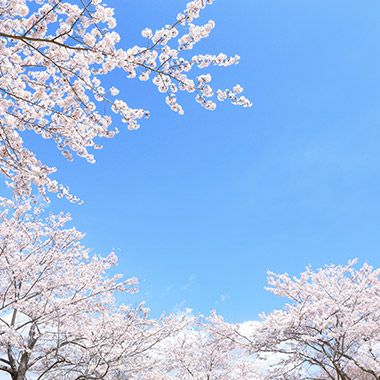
[(200, 206)]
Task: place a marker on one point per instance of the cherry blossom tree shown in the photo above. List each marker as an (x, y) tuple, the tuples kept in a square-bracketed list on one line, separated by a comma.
[(330, 330), (197, 353), (58, 314), (53, 54)]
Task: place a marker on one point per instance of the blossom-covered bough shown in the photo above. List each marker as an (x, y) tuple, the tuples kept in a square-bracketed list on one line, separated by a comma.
[(52, 56)]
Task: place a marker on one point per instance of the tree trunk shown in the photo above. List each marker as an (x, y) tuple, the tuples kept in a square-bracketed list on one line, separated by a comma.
[(23, 367), (24, 361)]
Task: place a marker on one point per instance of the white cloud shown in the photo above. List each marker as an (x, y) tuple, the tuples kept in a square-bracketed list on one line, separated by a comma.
[(191, 279), (223, 298)]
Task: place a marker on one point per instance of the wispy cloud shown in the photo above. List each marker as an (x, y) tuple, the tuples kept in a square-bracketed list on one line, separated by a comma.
[(223, 298), (180, 309), (168, 289), (190, 281)]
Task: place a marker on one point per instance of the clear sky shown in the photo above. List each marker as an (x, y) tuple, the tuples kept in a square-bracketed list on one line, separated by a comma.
[(200, 206)]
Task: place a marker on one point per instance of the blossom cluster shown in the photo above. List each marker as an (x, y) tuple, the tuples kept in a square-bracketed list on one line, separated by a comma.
[(53, 54)]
